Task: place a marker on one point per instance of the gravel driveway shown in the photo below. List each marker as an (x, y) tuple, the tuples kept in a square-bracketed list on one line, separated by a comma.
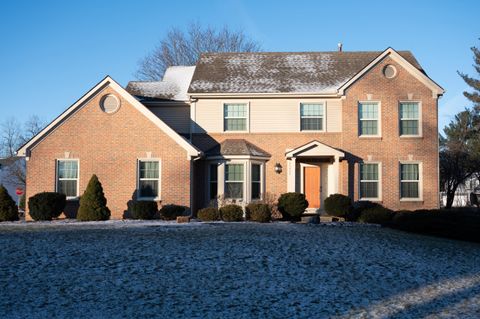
[(227, 270)]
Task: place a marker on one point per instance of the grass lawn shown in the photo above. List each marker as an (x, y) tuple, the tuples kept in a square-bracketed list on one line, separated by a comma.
[(227, 270)]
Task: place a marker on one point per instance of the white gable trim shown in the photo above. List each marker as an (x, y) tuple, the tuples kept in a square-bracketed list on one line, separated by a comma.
[(436, 89), (320, 150), (108, 81)]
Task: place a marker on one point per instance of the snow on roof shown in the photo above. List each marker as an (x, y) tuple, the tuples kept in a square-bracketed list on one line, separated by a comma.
[(173, 86)]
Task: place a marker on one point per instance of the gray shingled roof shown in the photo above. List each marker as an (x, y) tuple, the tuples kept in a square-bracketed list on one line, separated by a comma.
[(236, 147), (280, 72)]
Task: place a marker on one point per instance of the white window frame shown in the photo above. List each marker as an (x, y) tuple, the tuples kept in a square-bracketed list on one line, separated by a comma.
[(379, 119), (244, 186), (420, 121), (324, 122), (57, 179), (379, 181), (262, 179), (159, 196), (247, 118), (420, 182)]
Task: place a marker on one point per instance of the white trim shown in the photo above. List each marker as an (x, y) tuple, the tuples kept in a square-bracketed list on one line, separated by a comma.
[(420, 182), (57, 179), (323, 117), (436, 89), (327, 150), (420, 119), (159, 195), (379, 181), (262, 180), (379, 119), (244, 186), (247, 119), (263, 95), (192, 151)]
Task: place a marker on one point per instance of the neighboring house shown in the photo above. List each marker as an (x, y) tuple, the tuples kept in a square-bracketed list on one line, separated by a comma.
[(10, 167), (241, 126), (462, 195)]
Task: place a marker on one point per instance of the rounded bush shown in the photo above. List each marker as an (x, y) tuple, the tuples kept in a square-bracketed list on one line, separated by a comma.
[(93, 204), (338, 205), (376, 215), (171, 211), (144, 209), (208, 214), (259, 212), (46, 205), (292, 205), (231, 213), (358, 207), (8, 208)]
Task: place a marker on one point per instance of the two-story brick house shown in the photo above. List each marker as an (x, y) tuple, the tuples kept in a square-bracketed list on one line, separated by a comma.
[(241, 125)]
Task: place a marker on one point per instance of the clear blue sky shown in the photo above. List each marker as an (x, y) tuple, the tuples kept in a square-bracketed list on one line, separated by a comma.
[(52, 52)]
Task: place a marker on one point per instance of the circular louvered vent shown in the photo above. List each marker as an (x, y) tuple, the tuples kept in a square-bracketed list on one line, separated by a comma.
[(390, 71), (110, 104)]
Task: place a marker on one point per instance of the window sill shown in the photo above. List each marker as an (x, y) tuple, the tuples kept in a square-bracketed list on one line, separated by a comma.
[(72, 199), (411, 136), (378, 137), (235, 132), (312, 131), (411, 200), (377, 200)]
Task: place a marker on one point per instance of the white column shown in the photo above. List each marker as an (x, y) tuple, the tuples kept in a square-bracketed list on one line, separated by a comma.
[(291, 174), (336, 178)]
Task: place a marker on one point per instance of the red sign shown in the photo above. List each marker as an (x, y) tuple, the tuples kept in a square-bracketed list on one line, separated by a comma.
[(19, 191)]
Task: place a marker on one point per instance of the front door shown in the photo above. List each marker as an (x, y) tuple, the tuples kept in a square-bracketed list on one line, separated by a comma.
[(311, 185)]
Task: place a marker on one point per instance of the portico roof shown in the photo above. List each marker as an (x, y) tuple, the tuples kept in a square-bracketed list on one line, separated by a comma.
[(314, 149)]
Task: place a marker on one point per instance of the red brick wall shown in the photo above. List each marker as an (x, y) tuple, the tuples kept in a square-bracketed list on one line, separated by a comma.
[(389, 149), (109, 145)]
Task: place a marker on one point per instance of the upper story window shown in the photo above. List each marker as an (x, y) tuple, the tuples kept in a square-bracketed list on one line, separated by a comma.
[(409, 119), (149, 179), (235, 116), (234, 179), (67, 177), (409, 180), (369, 114), (311, 116), (369, 180)]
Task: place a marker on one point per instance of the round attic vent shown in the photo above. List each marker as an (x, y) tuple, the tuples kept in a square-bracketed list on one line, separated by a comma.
[(110, 104), (390, 71)]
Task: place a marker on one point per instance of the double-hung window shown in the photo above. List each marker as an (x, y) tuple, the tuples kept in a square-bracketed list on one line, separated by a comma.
[(369, 180), (234, 179), (235, 116), (67, 177), (213, 182), (409, 119), (369, 119), (410, 181), (311, 116), (149, 179), (256, 181)]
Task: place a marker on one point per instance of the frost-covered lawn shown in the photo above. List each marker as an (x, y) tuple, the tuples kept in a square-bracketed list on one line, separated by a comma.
[(245, 270)]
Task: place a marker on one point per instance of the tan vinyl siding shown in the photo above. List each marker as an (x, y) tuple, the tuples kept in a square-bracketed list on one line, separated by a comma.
[(266, 115), (177, 117), (334, 116)]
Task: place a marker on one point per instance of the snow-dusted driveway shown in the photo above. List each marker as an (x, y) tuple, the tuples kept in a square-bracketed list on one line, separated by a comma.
[(241, 270)]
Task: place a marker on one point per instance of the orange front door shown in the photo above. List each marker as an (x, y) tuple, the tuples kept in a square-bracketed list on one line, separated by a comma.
[(311, 185)]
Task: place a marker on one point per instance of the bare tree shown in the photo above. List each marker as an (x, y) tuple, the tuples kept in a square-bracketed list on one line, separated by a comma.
[(10, 137), (184, 48)]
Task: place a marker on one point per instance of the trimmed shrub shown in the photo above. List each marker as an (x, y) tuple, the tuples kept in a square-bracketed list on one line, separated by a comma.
[(259, 212), (46, 205), (208, 214), (171, 211), (338, 205), (231, 213), (376, 215), (358, 207), (8, 208), (144, 209), (292, 205), (93, 204)]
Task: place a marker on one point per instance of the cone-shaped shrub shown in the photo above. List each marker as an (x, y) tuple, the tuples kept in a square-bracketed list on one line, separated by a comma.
[(8, 208), (93, 204)]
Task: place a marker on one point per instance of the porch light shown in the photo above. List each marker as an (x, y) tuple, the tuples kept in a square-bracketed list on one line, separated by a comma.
[(278, 168)]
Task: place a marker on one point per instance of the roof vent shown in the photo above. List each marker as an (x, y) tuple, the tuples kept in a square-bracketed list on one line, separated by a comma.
[(110, 103), (340, 46)]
